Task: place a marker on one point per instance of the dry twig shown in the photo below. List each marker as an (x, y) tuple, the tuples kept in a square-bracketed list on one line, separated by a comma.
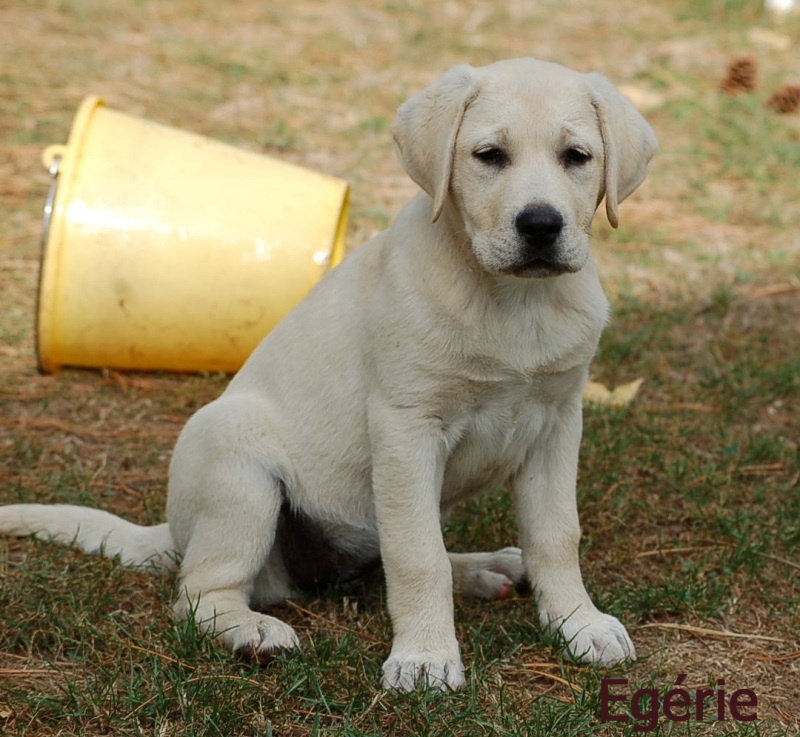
[(704, 632)]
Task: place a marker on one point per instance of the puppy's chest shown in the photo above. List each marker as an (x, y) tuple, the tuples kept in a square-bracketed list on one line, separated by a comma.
[(490, 438)]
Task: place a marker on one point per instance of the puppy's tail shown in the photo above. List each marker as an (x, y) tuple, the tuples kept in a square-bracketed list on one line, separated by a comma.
[(93, 531)]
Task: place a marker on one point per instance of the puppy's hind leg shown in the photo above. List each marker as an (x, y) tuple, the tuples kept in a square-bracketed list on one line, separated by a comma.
[(225, 498)]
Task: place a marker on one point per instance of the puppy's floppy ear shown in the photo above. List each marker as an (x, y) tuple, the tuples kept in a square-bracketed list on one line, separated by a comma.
[(628, 140), (426, 128)]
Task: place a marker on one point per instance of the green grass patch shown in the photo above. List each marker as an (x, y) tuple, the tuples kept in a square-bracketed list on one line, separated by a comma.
[(690, 511)]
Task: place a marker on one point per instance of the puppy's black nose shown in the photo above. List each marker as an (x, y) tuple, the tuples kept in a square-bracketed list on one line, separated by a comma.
[(539, 226)]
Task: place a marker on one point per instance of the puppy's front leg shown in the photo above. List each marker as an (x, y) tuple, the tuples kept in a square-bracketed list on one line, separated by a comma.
[(408, 455), (545, 496)]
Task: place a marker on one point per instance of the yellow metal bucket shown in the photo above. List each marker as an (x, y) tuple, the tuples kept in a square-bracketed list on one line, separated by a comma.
[(166, 250)]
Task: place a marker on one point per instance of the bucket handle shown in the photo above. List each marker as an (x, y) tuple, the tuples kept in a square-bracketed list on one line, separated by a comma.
[(51, 155), (51, 158)]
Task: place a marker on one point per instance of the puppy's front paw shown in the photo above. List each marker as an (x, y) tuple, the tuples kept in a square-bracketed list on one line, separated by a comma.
[(592, 638), (423, 670), (260, 638)]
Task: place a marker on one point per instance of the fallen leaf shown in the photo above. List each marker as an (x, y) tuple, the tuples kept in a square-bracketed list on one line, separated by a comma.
[(620, 396), (596, 393), (624, 394)]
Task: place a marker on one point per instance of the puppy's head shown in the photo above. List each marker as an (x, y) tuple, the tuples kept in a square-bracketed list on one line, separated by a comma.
[(525, 151)]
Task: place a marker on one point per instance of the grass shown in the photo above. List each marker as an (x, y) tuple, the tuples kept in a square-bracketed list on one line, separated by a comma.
[(690, 517), (688, 497)]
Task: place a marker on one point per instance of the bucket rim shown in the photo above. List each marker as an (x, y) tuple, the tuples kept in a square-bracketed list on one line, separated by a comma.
[(60, 161)]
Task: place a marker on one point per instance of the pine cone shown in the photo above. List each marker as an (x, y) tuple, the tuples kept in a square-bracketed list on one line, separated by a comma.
[(786, 99), (740, 76)]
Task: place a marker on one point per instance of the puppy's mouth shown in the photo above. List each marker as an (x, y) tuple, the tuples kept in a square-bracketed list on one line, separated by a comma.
[(540, 268)]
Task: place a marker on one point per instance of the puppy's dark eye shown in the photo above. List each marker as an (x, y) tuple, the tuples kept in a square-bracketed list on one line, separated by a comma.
[(576, 157), (491, 156)]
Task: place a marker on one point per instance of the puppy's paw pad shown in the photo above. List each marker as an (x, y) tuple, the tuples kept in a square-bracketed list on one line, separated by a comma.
[(490, 585), (421, 671), (491, 575)]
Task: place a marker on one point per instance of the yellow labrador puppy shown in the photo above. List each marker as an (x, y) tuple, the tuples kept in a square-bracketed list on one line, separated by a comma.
[(445, 357)]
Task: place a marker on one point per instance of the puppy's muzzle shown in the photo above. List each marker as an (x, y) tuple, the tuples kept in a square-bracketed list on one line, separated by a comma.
[(539, 228)]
